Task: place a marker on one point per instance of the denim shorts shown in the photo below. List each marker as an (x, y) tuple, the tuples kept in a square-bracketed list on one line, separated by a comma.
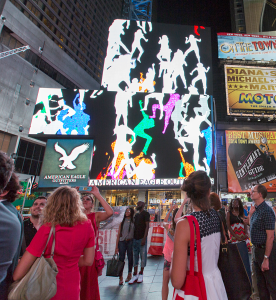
[(139, 250)]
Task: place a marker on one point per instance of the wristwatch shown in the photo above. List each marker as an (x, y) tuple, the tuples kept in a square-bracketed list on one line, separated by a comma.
[(265, 256)]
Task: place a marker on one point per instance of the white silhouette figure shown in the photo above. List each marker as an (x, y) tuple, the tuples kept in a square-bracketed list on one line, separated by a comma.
[(134, 86), (176, 68), (114, 38), (118, 72), (142, 25), (122, 144), (159, 97), (121, 105), (67, 160), (167, 83), (138, 35), (164, 54), (177, 116), (193, 46), (204, 108), (192, 91), (201, 71), (165, 51), (114, 43), (193, 133), (144, 170)]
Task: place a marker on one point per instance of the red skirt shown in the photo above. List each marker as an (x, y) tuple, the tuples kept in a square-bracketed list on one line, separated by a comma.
[(89, 283)]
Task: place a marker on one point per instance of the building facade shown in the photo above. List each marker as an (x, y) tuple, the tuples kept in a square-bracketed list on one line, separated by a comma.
[(67, 41)]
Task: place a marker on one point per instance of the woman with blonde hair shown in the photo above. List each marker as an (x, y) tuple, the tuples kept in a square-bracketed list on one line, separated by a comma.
[(74, 242)]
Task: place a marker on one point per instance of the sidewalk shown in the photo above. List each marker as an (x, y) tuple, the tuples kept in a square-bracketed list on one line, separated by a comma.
[(150, 289)]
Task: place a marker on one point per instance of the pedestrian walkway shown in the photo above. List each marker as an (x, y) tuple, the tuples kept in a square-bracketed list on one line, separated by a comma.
[(150, 289)]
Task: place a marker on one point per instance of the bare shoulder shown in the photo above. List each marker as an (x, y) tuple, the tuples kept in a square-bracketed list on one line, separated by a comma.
[(183, 225), (182, 231)]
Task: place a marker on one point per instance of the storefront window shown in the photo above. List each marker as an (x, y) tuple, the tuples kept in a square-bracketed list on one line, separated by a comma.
[(122, 198), (159, 203)]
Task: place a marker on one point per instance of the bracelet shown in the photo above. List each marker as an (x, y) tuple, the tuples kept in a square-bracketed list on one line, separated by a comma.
[(265, 256)]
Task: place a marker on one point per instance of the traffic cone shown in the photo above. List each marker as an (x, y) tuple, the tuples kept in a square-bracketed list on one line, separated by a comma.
[(157, 239)]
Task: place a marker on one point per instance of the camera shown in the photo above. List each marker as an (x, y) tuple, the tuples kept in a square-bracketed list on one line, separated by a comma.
[(21, 128)]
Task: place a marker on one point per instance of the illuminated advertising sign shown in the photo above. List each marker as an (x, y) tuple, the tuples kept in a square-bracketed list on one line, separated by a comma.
[(246, 46), (139, 139), (251, 160), (66, 162), (250, 90), (154, 57), (259, 15)]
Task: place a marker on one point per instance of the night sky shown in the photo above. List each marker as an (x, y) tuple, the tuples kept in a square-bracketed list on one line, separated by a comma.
[(214, 13)]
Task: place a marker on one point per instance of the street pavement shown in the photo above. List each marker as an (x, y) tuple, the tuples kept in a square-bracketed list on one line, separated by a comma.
[(150, 289)]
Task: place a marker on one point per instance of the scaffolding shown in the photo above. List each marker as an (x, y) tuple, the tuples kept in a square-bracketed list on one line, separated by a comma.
[(13, 51), (138, 10)]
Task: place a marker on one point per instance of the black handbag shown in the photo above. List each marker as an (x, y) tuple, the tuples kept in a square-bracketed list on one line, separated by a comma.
[(235, 270), (114, 266)]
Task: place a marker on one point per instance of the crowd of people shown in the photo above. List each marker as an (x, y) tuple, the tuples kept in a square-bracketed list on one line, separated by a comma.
[(76, 237)]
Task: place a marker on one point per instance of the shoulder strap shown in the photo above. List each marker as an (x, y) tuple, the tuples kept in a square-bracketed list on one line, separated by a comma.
[(192, 245), (198, 244), (52, 231), (222, 229)]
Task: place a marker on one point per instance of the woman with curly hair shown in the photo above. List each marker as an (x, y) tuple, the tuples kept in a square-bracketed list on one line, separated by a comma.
[(235, 224), (74, 242)]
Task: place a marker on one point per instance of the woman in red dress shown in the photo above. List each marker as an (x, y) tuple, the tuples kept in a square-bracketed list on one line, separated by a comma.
[(74, 242), (89, 275)]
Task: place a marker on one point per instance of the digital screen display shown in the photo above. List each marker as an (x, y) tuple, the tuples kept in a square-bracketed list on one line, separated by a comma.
[(60, 112), (250, 90), (66, 162), (139, 139), (153, 57)]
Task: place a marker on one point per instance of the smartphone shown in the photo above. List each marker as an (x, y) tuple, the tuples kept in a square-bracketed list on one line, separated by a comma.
[(85, 188), (174, 202)]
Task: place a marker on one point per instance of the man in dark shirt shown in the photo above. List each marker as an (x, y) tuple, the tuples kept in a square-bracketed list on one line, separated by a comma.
[(141, 228), (32, 224), (262, 226)]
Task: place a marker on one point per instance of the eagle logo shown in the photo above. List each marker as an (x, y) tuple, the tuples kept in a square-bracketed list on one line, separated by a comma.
[(68, 159)]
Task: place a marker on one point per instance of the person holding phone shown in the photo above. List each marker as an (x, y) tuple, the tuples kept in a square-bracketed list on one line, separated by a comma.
[(168, 248), (89, 275)]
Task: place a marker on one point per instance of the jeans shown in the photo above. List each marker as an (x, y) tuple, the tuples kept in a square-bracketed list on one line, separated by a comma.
[(266, 281), (126, 247), (139, 250)]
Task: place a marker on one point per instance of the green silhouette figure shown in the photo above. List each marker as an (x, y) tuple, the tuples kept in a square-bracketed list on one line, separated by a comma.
[(146, 123)]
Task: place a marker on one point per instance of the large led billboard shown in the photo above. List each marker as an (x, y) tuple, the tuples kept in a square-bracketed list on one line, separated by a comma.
[(66, 162), (250, 160), (259, 15), (246, 46), (155, 57), (250, 90), (152, 139)]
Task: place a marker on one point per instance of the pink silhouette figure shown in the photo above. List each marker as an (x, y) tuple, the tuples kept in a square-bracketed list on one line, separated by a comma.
[(168, 108)]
